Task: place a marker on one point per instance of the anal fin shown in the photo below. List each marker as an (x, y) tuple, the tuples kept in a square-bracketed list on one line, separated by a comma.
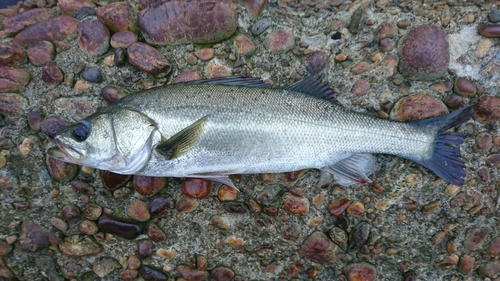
[(353, 169), (180, 143), (222, 177)]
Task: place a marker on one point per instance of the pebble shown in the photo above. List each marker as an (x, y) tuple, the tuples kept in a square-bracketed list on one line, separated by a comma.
[(12, 105), (260, 26), (112, 180), (483, 47), (483, 173), (59, 170), (51, 74), (244, 45), (51, 125), (484, 142), (454, 101), (17, 22), (362, 271), (144, 249), (320, 249), (181, 22), (234, 207), (160, 207), (385, 44), (92, 211), (465, 87), (191, 59), (76, 245), (403, 23), (119, 55), (5, 271), (417, 107), (138, 210), (215, 70), (122, 39), (69, 7), (360, 68), (355, 20), (356, 209), (466, 264), (70, 212), (222, 273), (488, 108), (235, 242), (359, 236), (84, 13), (186, 204), (93, 37), (88, 227), (190, 75), (197, 188), (147, 58), (291, 232), (92, 75), (292, 177), (337, 207), (490, 269), (205, 53), (155, 233), (221, 222), (227, 193), (490, 30), (361, 88), (493, 160), (295, 205), (149, 273), (5, 248), (166, 254), (317, 61), (254, 206), (54, 30), (11, 55), (13, 79), (32, 237), (449, 261), (148, 186), (192, 274), (111, 94), (128, 274), (386, 30), (443, 86), (280, 41), (41, 53), (117, 16), (475, 237), (103, 266), (126, 229), (424, 53)]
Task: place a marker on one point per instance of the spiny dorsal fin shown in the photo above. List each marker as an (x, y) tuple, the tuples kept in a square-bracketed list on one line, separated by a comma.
[(183, 141), (313, 87), (245, 81)]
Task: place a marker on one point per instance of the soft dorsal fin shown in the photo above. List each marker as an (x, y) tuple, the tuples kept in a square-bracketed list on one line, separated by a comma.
[(183, 141), (245, 81), (313, 87)]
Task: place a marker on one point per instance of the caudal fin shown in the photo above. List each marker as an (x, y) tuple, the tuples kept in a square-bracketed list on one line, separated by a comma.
[(445, 161)]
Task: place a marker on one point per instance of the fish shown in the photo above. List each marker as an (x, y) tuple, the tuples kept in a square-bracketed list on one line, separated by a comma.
[(213, 128)]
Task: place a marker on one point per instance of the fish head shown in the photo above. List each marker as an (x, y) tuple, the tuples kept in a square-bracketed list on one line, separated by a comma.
[(118, 140)]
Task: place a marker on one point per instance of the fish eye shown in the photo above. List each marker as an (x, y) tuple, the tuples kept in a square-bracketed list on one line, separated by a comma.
[(81, 131)]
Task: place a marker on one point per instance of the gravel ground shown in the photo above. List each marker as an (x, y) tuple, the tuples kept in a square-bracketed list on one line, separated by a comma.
[(406, 225)]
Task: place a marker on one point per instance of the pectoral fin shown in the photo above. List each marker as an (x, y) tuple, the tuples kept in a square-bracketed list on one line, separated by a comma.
[(353, 169), (183, 141)]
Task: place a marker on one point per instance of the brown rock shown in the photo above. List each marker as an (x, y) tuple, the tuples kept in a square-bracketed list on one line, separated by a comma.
[(112, 180), (190, 274), (144, 249), (494, 247), (205, 53), (12, 79), (215, 70), (234, 207), (123, 39), (488, 108), (244, 45), (17, 22), (147, 58), (60, 170), (88, 227), (490, 30), (424, 53), (317, 61), (493, 160), (70, 7), (155, 233), (360, 272), (32, 237), (149, 273), (76, 245), (123, 228), (320, 249), (453, 101), (484, 142), (280, 41), (361, 88), (70, 212), (254, 7), (111, 94), (160, 207), (51, 74), (186, 204), (41, 53), (12, 105), (53, 30), (118, 16), (148, 186), (11, 55), (356, 209), (360, 68), (92, 211), (292, 177), (337, 207), (227, 193), (222, 273), (295, 205), (93, 37), (128, 274), (180, 22), (386, 29), (190, 75), (475, 237), (466, 264), (197, 188), (138, 210), (385, 44), (417, 107), (483, 173), (443, 86), (51, 125), (465, 87)]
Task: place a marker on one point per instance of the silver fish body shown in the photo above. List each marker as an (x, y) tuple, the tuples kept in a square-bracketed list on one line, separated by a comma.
[(253, 129)]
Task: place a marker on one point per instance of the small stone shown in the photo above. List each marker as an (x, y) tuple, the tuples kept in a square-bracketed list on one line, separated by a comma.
[(469, 18), (337, 207), (191, 59), (317, 61), (205, 53), (149, 273), (51, 126), (454, 101), (292, 177), (133, 262), (424, 53), (234, 207), (92, 211), (112, 180), (466, 264), (244, 45), (484, 142), (490, 30), (13, 79), (295, 205), (104, 266), (111, 94), (254, 7), (338, 236), (341, 57), (12, 105), (355, 20), (488, 108), (483, 173), (291, 232), (84, 12), (92, 75), (54, 30), (119, 55), (197, 188), (122, 39), (126, 229), (356, 209), (443, 86), (254, 206), (490, 269), (320, 249), (360, 68), (138, 210), (227, 193), (359, 236), (417, 107), (360, 272), (128, 274), (147, 58), (117, 16), (385, 44), (70, 212), (93, 37), (69, 7), (148, 186), (192, 274), (5, 248), (404, 23), (260, 26), (19, 21), (361, 88), (166, 254), (5, 272), (215, 70), (41, 53), (160, 207), (222, 273), (483, 47), (280, 41), (181, 22), (155, 233), (190, 75), (76, 245), (449, 261), (32, 238), (386, 29), (144, 249), (494, 16), (431, 206), (235, 242), (88, 227), (60, 170), (11, 55), (493, 160), (465, 87), (186, 204), (475, 237), (51, 74), (271, 211)]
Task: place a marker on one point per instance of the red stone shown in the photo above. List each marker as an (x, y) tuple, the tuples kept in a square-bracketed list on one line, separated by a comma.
[(112, 180), (196, 188), (51, 74), (70, 7), (147, 58), (337, 207), (190, 75), (12, 105), (12, 79), (320, 249), (41, 53), (488, 108), (93, 37), (17, 22), (490, 30), (11, 55), (360, 272), (117, 16), (53, 30)]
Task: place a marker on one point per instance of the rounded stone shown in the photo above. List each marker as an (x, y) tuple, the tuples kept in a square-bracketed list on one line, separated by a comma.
[(205, 53), (360, 272), (260, 26), (417, 107), (32, 238), (19, 21), (34, 118), (227, 193), (244, 45), (317, 61), (144, 249), (280, 41), (197, 188), (70, 212), (337, 207), (190, 75), (320, 249), (255, 7), (11, 55), (60, 170), (111, 94), (356, 209), (160, 207), (484, 142), (41, 53), (234, 207), (483, 173), (149, 273), (13, 79), (117, 16), (138, 210), (465, 87), (92, 75), (155, 233), (122, 39), (295, 205), (54, 30), (475, 237), (52, 125), (147, 58), (453, 101), (466, 264), (424, 53), (490, 30), (12, 105), (112, 180), (186, 204), (493, 160), (216, 70), (69, 7), (129, 274), (123, 228), (385, 44), (92, 211), (93, 37), (361, 88), (488, 108), (88, 227), (192, 274), (119, 55), (148, 186), (51, 74), (222, 273)]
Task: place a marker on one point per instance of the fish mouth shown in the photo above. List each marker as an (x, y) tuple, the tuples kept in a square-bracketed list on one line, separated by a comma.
[(65, 153)]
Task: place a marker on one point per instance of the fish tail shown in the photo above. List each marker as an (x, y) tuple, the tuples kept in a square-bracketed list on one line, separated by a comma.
[(445, 161)]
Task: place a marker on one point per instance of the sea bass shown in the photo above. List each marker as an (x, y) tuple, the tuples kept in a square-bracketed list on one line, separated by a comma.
[(239, 125)]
